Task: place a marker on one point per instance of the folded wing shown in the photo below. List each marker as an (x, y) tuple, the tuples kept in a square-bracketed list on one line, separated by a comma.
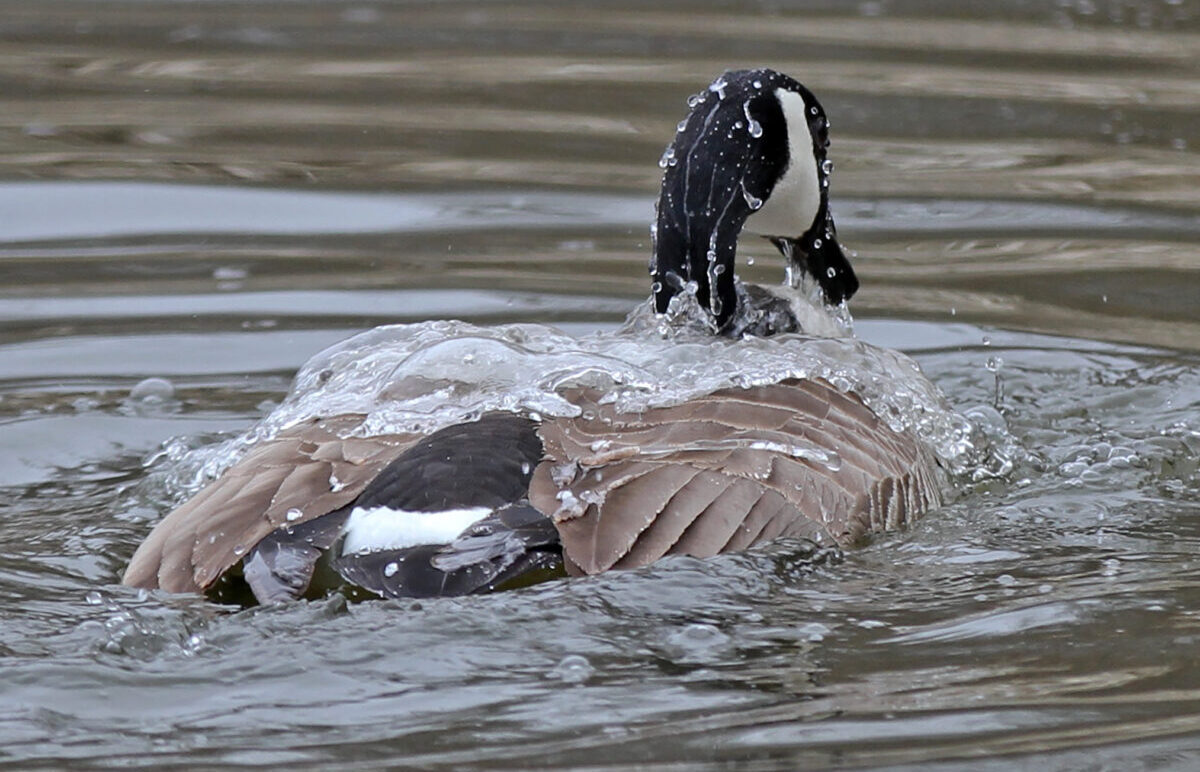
[(723, 472)]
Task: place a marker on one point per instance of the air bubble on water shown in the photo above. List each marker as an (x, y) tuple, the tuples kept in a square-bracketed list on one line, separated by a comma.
[(697, 642), (153, 390), (573, 669)]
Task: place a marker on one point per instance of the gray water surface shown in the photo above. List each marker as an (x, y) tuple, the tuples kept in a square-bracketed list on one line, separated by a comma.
[(212, 192)]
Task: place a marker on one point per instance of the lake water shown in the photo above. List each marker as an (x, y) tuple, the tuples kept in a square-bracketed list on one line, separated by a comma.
[(212, 192)]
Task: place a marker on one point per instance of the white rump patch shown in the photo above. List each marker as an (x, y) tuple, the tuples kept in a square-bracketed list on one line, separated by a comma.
[(792, 208), (380, 528)]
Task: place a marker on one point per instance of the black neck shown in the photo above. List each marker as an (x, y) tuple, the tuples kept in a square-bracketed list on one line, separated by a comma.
[(722, 165)]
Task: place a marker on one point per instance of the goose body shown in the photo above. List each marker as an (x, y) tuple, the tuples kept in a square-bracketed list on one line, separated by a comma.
[(591, 481)]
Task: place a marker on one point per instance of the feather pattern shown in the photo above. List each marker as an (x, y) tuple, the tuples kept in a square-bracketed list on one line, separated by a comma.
[(303, 473), (727, 471)]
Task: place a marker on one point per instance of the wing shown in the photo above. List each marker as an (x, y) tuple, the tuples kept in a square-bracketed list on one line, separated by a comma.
[(515, 543), (303, 473), (726, 471)]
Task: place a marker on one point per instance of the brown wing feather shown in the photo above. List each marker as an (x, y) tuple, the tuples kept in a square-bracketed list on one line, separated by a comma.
[(309, 468), (727, 471)]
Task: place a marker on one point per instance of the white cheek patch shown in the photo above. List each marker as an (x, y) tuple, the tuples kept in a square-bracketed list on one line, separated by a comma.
[(792, 208), (380, 528)]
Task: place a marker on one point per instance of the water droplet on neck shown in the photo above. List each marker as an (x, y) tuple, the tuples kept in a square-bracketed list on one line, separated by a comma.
[(753, 126)]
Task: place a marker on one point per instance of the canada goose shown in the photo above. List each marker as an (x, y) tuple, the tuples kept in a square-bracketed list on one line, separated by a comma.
[(516, 494)]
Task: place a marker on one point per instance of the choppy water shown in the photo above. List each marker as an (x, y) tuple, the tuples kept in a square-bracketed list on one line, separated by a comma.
[(211, 193)]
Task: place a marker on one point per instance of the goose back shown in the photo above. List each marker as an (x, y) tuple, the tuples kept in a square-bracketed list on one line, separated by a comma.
[(726, 471), (303, 473)]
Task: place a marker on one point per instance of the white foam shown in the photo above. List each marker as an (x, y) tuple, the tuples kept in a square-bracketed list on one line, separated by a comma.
[(381, 528)]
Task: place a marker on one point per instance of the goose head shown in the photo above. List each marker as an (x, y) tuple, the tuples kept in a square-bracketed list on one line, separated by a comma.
[(750, 155)]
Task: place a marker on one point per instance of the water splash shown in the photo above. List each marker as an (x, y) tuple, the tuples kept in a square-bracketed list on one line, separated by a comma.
[(422, 377)]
